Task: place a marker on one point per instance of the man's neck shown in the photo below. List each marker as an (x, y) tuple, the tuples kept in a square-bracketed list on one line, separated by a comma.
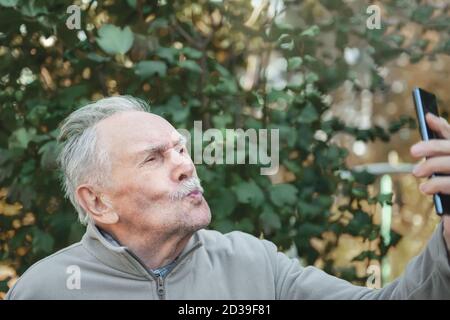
[(156, 251)]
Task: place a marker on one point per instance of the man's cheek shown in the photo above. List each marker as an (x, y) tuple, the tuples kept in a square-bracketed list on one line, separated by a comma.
[(151, 195)]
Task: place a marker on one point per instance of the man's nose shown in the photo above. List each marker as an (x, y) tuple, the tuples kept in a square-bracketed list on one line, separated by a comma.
[(183, 166)]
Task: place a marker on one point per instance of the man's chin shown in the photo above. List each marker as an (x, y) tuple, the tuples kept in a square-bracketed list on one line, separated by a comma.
[(206, 213), (202, 215), (195, 215)]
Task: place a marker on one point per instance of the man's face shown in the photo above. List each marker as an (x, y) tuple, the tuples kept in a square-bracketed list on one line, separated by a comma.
[(153, 186)]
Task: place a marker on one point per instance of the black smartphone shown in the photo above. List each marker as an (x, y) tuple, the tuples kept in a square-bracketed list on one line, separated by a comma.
[(426, 102)]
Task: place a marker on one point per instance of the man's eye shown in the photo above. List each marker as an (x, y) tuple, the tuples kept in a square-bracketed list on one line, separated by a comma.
[(151, 159), (182, 150)]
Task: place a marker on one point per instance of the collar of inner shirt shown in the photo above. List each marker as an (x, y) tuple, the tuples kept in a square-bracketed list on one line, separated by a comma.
[(160, 272)]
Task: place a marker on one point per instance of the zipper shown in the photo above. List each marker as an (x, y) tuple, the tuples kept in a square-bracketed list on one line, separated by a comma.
[(180, 259), (160, 288)]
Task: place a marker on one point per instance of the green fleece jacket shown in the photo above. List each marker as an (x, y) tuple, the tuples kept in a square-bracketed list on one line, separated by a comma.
[(217, 266)]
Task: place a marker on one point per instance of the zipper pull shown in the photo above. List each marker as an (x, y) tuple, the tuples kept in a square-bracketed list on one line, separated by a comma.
[(160, 288)]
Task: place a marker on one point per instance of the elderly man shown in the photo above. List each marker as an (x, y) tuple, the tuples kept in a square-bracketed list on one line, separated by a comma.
[(129, 176)]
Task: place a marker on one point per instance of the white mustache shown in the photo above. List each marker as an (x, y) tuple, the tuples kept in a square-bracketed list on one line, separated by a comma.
[(186, 187)]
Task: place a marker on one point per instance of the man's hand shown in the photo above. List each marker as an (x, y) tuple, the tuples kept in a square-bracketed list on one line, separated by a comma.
[(438, 153)]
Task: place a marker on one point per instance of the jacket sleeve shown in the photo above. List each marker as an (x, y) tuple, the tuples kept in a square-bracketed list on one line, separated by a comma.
[(427, 276)]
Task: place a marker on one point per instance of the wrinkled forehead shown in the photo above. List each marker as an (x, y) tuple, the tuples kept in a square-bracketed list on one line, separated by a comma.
[(126, 133)]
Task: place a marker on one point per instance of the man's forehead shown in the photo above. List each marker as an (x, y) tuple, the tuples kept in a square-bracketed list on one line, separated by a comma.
[(134, 123), (133, 128)]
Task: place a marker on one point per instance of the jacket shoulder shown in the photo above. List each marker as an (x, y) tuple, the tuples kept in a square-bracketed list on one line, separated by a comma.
[(48, 274), (237, 243)]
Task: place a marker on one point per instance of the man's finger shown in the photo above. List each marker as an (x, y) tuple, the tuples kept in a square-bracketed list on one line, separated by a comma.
[(435, 147), (436, 185), (446, 219), (432, 165), (438, 125)]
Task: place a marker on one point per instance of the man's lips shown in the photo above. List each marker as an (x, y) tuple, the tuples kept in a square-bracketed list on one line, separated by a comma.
[(196, 194)]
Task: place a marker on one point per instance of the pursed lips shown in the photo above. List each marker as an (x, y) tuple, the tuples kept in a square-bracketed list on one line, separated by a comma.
[(195, 194)]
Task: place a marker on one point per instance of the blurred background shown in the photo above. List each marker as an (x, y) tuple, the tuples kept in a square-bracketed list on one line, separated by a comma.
[(335, 77)]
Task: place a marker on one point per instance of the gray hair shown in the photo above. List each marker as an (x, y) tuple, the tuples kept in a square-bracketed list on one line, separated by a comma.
[(81, 160)]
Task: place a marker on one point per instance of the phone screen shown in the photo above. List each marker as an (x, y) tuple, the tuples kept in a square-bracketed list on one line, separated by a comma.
[(426, 102)]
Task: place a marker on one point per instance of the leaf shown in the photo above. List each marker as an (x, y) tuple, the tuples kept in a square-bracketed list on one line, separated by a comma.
[(146, 69), (168, 54), (309, 114), (9, 3), (224, 203), (132, 3), (31, 9), (311, 31), (42, 242), (223, 71), (49, 152), (97, 58), (70, 94), (245, 225), (359, 223), (224, 226), (192, 53), (275, 96), (311, 77), (226, 86), (422, 14), (294, 63), (21, 138), (190, 65), (114, 40), (371, 255), (249, 192), (222, 120), (76, 232), (385, 198), (286, 42), (282, 194), (308, 210), (364, 177), (270, 219), (36, 114), (359, 192), (309, 230), (176, 109), (158, 23), (180, 115), (283, 25), (309, 59)]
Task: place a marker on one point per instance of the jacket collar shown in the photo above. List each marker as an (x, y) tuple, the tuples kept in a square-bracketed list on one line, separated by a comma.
[(123, 259)]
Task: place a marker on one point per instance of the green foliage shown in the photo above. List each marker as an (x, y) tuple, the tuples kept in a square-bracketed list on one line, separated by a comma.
[(146, 69), (185, 58), (283, 194), (113, 40)]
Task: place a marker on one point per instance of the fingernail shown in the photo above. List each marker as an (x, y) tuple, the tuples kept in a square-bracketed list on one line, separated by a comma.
[(416, 170), (416, 149)]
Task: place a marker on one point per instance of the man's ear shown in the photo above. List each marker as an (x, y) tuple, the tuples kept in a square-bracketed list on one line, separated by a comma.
[(99, 208)]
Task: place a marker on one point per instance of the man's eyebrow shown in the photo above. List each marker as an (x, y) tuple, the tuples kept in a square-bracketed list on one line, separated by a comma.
[(160, 147), (181, 140)]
